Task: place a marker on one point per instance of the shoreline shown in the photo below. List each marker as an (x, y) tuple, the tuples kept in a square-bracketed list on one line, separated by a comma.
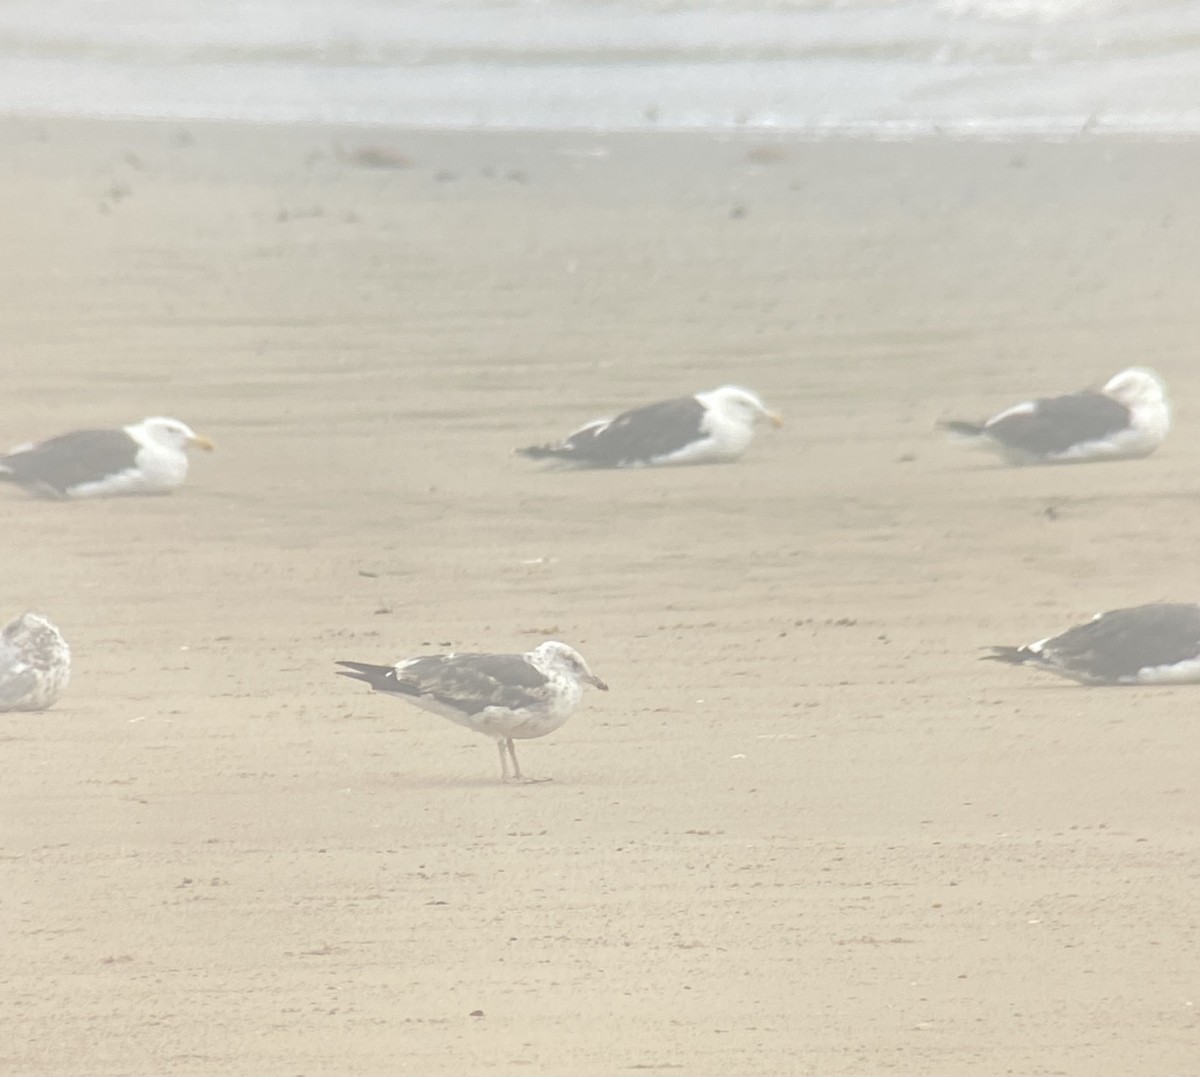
[(1091, 128)]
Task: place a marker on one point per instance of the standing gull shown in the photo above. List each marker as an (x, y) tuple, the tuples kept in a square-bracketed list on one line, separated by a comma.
[(35, 664), (1154, 644), (504, 696), (707, 428), (1127, 418), (143, 458)]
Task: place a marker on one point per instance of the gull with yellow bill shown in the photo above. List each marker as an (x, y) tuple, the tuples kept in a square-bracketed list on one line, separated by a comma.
[(149, 457)]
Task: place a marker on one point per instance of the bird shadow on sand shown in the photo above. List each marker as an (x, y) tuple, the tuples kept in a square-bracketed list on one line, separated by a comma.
[(537, 781), (424, 781)]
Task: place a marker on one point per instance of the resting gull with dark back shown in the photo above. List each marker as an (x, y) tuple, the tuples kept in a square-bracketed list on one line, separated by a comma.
[(35, 664), (149, 457), (504, 696), (1154, 644), (707, 428), (1129, 417)]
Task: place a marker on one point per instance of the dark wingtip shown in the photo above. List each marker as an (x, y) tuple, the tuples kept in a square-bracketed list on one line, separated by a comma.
[(967, 430), (537, 452), (379, 678), (359, 671), (1014, 656)]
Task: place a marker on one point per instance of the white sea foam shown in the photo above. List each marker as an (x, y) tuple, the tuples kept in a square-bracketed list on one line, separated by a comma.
[(870, 68)]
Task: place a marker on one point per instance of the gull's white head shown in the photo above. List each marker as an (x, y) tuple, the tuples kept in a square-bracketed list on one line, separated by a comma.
[(555, 657), (171, 433), (1136, 387), (741, 403)]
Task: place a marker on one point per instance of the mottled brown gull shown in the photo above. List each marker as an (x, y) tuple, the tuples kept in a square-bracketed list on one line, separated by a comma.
[(35, 664), (503, 696)]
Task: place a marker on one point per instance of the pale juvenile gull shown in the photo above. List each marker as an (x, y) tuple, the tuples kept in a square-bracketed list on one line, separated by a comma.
[(1154, 644), (35, 664), (149, 457), (504, 696), (1129, 417), (707, 428)]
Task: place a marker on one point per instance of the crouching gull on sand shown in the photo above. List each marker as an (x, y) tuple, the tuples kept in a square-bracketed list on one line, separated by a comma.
[(1127, 418), (143, 458), (35, 664), (504, 696), (707, 428), (1154, 644)]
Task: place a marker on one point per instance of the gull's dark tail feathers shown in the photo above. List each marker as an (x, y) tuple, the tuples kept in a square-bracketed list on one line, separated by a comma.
[(545, 452), (1014, 656), (381, 678), (965, 430)]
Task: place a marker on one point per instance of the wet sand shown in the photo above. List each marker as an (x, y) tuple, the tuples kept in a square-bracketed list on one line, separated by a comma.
[(806, 831)]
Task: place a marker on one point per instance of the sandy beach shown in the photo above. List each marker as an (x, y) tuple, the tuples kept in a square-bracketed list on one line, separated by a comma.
[(807, 831)]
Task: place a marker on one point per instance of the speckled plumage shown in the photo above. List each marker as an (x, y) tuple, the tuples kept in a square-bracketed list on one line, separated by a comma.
[(502, 696), (35, 664)]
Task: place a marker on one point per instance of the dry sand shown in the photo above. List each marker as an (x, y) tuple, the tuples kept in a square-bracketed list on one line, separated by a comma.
[(807, 831)]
